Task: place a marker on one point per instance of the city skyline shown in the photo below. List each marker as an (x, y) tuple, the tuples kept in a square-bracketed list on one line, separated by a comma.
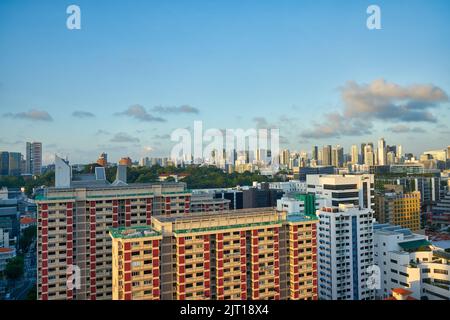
[(319, 83)]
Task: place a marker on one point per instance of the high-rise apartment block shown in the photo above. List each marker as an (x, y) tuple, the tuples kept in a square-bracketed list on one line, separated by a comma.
[(326, 156), (345, 253), (355, 154), (369, 155), (135, 249), (73, 224), (252, 254), (382, 152), (33, 158)]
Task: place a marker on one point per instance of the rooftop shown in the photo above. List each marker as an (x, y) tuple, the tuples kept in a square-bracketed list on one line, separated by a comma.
[(135, 232), (225, 227), (94, 186), (414, 245), (227, 213), (27, 220), (298, 217), (401, 291)]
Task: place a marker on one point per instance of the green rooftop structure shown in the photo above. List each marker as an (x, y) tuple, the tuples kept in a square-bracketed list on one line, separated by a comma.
[(414, 245), (133, 232)]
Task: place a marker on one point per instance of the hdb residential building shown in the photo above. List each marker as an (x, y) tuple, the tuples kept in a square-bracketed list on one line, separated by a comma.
[(250, 254), (73, 223)]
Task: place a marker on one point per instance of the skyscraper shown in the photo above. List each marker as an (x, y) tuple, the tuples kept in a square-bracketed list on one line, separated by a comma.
[(334, 157), (390, 158), (315, 153), (14, 163), (326, 156), (284, 157), (355, 154), (33, 158), (4, 163), (363, 148), (339, 156), (382, 152), (369, 157)]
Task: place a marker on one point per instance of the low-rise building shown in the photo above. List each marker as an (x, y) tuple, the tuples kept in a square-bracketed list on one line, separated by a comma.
[(5, 255), (409, 261)]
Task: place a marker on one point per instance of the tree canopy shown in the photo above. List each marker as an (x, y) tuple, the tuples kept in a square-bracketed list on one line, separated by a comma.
[(196, 177)]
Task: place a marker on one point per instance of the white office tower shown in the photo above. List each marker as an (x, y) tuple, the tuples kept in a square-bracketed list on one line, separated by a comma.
[(382, 152), (357, 189), (345, 253), (63, 173), (409, 261)]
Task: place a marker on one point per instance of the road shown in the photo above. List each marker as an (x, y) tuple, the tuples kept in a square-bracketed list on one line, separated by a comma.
[(28, 280)]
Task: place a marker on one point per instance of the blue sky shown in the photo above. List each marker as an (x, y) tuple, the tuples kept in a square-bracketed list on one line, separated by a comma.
[(231, 64)]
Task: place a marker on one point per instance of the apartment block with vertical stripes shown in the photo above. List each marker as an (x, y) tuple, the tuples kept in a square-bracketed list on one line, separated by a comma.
[(73, 226), (251, 254)]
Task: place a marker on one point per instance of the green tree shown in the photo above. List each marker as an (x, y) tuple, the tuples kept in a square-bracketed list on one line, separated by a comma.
[(28, 235), (32, 293), (14, 268)]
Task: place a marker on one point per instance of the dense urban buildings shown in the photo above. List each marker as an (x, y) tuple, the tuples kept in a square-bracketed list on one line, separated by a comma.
[(14, 163), (317, 237)]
